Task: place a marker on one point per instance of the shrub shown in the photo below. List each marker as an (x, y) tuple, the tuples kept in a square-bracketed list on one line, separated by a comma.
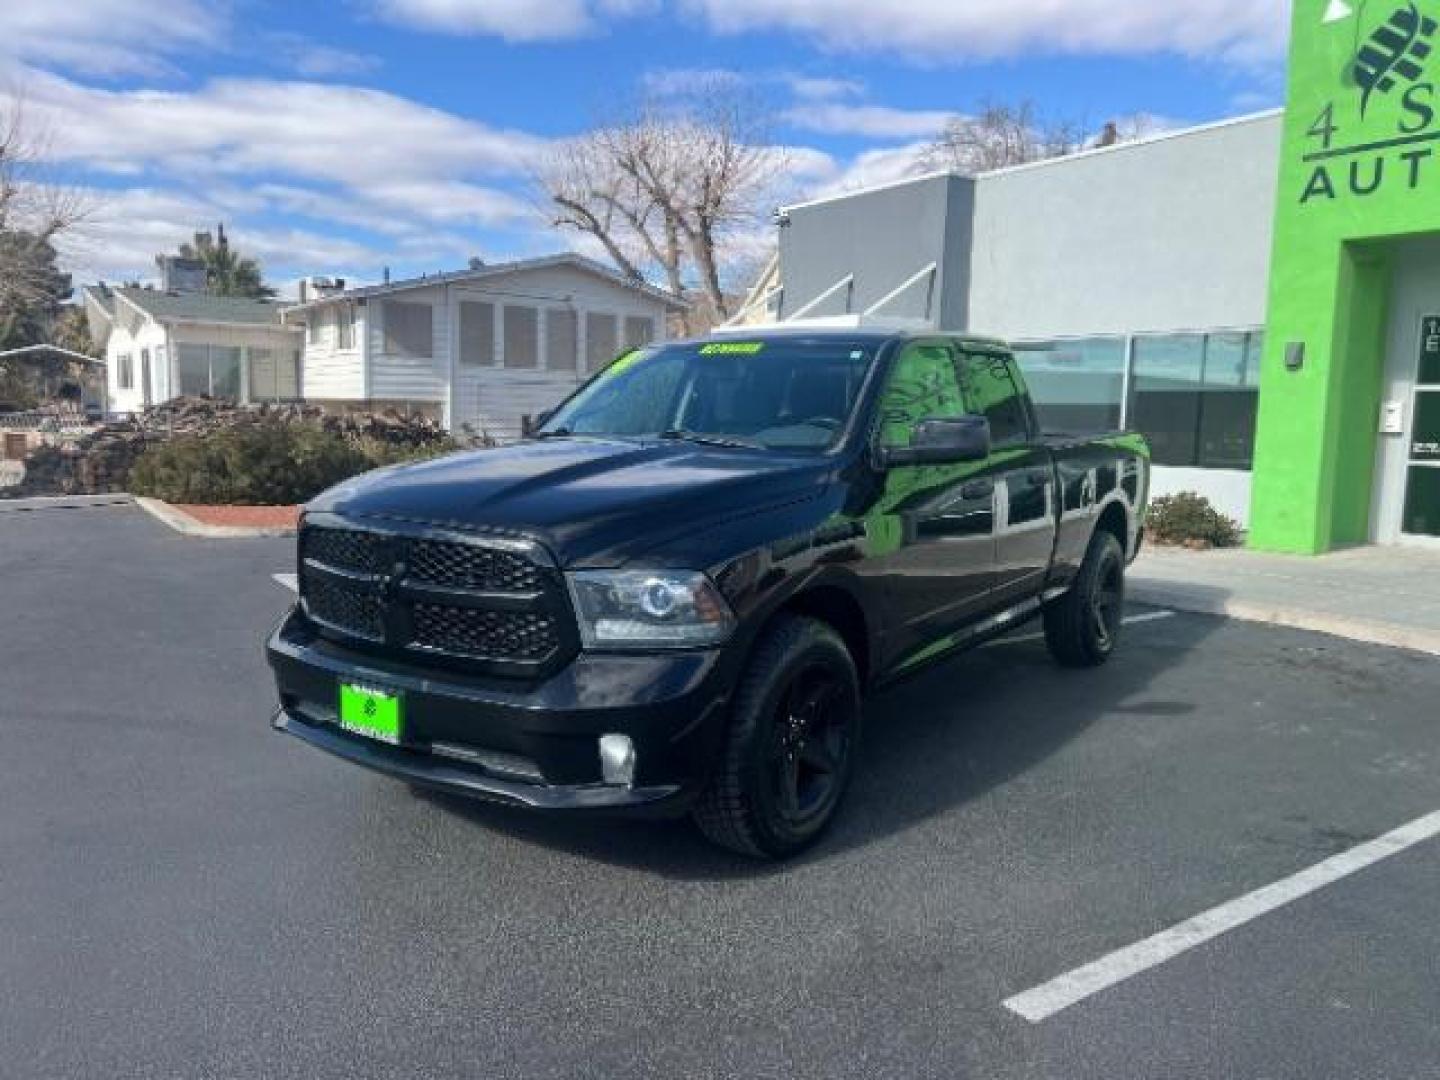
[(1189, 520), (263, 465)]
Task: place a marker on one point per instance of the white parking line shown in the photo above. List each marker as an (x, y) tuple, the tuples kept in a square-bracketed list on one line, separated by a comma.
[(287, 581), (1149, 616), (1129, 620), (1045, 1001)]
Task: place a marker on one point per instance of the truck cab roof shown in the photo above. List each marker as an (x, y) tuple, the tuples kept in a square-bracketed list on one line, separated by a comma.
[(855, 330)]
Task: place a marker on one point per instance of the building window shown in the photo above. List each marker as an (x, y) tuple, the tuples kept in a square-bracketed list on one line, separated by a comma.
[(344, 327), (1077, 385), (409, 329), (602, 333), (522, 336), (209, 370), (561, 339), (477, 333), (274, 375), (124, 372), (638, 331), (1195, 397)]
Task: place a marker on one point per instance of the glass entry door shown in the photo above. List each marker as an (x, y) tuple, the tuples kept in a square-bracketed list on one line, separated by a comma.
[(1422, 485)]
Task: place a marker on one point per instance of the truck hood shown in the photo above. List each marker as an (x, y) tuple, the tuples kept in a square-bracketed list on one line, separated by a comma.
[(595, 502)]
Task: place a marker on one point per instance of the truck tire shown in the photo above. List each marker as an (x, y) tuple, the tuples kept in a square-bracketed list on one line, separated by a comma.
[(1082, 628), (790, 747)]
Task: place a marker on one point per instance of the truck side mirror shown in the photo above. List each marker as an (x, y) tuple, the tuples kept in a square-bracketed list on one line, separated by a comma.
[(948, 440)]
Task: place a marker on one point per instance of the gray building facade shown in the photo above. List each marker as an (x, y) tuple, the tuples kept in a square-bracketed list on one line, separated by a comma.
[(1133, 278)]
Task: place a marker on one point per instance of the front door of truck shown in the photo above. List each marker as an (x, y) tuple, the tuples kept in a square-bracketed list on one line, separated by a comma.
[(932, 530), (1024, 477)]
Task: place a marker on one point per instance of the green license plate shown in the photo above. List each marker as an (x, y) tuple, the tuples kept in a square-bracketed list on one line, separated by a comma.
[(364, 710)]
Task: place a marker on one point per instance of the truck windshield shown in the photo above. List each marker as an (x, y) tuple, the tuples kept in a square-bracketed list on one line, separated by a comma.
[(791, 396)]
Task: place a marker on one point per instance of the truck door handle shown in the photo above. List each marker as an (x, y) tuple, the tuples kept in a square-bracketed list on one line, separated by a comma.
[(978, 489)]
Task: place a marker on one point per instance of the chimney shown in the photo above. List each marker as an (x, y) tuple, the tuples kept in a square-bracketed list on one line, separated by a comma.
[(179, 275)]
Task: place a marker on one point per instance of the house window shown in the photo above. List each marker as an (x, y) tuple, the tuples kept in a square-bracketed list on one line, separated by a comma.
[(409, 329), (638, 331), (561, 339), (274, 375), (344, 327), (209, 370), (522, 336), (1077, 385), (477, 333), (601, 340), (124, 372)]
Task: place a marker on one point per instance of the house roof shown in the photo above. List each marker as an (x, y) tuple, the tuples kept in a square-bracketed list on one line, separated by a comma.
[(201, 308), (492, 270)]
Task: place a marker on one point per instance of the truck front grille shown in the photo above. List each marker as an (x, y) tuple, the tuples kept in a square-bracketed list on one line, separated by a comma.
[(482, 634), (478, 602)]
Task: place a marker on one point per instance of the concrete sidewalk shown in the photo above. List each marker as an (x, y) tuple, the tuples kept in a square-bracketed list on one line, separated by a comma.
[(1388, 596)]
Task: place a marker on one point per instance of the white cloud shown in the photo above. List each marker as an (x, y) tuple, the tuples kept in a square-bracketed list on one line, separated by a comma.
[(313, 60), (683, 82), (128, 228), (820, 88), (109, 37), (868, 121), (969, 29), (875, 167), (514, 20), (342, 134), (423, 181)]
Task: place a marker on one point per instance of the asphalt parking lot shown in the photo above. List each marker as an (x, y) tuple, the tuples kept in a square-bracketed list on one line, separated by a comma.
[(185, 894)]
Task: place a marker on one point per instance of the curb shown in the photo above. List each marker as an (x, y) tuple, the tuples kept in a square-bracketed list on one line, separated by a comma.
[(63, 502), (1391, 635), (188, 526)]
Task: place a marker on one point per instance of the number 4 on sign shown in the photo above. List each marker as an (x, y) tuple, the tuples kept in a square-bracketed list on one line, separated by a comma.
[(1338, 10)]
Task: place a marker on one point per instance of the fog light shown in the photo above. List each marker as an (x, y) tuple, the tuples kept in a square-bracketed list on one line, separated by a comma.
[(617, 760)]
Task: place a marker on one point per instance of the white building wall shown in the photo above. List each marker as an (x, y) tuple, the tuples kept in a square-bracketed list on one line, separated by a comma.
[(1163, 235), (331, 373), (132, 337)]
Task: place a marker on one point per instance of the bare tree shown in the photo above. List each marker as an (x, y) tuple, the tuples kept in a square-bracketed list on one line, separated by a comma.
[(665, 188), (1001, 135), (34, 213)]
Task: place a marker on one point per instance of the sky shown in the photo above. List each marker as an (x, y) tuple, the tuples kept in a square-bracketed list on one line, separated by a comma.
[(343, 137)]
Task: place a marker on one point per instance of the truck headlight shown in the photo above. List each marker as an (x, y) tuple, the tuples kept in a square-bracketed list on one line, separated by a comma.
[(630, 609)]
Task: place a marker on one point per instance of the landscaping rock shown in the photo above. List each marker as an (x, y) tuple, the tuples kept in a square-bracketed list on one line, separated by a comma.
[(100, 463)]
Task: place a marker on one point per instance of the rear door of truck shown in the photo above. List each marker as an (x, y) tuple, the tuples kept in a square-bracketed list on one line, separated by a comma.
[(1024, 472)]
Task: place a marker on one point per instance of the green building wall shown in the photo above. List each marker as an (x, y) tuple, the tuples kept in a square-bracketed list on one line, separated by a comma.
[(1360, 168)]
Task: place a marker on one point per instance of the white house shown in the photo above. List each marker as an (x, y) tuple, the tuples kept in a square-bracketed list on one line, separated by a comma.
[(164, 343), (482, 347)]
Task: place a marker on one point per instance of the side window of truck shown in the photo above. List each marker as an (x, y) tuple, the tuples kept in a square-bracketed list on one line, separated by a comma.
[(924, 384), (990, 391)]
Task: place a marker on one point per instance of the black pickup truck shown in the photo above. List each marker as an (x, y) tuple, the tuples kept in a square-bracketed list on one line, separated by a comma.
[(675, 594)]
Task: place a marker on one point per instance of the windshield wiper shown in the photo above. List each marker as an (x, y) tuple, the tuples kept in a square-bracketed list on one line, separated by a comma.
[(700, 439), (558, 433)]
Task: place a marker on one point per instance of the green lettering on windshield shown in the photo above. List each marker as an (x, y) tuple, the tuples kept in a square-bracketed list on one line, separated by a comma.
[(624, 362), (733, 348)]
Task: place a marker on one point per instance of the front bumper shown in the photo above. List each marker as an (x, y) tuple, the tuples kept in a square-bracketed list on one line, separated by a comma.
[(533, 745)]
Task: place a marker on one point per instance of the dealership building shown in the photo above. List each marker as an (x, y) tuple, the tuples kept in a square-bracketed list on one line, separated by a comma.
[(1260, 297)]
